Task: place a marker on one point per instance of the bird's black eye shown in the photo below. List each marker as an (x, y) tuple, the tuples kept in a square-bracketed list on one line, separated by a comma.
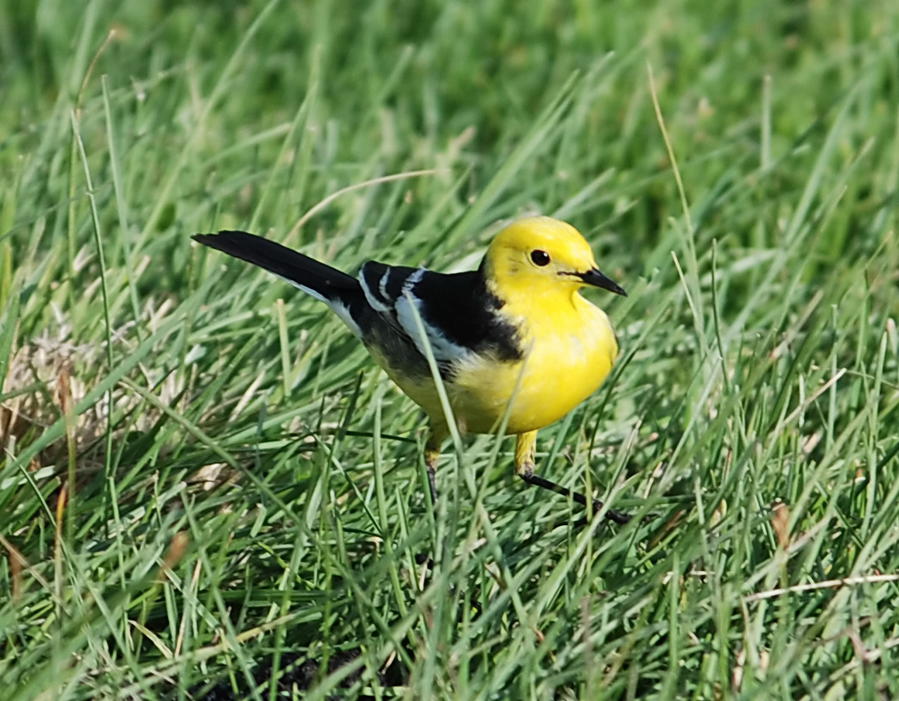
[(540, 258)]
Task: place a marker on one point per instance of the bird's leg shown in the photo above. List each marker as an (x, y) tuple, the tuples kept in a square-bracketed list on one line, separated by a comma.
[(524, 467), (431, 458), (432, 455)]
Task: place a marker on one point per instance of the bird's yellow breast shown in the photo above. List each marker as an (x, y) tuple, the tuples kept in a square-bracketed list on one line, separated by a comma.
[(569, 350)]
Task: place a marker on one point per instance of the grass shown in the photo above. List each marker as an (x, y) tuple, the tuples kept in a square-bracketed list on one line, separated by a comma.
[(206, 489)]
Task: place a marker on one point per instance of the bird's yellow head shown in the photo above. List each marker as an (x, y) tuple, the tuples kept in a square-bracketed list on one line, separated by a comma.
[(540, 255)]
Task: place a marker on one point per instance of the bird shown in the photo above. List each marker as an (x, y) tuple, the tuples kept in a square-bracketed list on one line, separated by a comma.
[(515, 344)]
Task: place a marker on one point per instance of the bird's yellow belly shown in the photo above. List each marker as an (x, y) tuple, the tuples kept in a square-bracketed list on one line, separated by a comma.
[(560, 369), (556, 376)]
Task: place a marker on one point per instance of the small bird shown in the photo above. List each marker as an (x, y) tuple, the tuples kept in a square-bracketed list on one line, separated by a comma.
[(513, 341)]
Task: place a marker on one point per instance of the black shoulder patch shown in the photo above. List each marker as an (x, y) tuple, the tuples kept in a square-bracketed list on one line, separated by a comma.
[(466, 311)]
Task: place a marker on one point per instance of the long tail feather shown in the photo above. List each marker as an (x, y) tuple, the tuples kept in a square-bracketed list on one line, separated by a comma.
[(307, 273)]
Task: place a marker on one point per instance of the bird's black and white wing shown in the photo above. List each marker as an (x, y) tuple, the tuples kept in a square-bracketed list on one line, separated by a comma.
[(457, 314)]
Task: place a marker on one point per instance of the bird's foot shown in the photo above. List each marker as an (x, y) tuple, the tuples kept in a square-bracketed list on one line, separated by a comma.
[(612, 515)]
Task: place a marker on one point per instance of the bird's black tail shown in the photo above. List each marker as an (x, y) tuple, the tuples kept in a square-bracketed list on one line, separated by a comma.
[(305, 272)]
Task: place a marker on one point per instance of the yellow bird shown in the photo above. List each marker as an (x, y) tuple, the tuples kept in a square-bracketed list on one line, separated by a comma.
[(513, 341)]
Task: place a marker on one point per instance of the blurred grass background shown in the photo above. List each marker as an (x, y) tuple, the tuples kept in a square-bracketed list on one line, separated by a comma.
[(206, 489)]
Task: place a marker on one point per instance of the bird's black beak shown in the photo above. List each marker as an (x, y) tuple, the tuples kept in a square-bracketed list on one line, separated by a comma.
[(597, 279)]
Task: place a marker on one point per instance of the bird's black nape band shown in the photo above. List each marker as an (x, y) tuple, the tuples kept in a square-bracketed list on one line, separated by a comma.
[(539, 481)]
